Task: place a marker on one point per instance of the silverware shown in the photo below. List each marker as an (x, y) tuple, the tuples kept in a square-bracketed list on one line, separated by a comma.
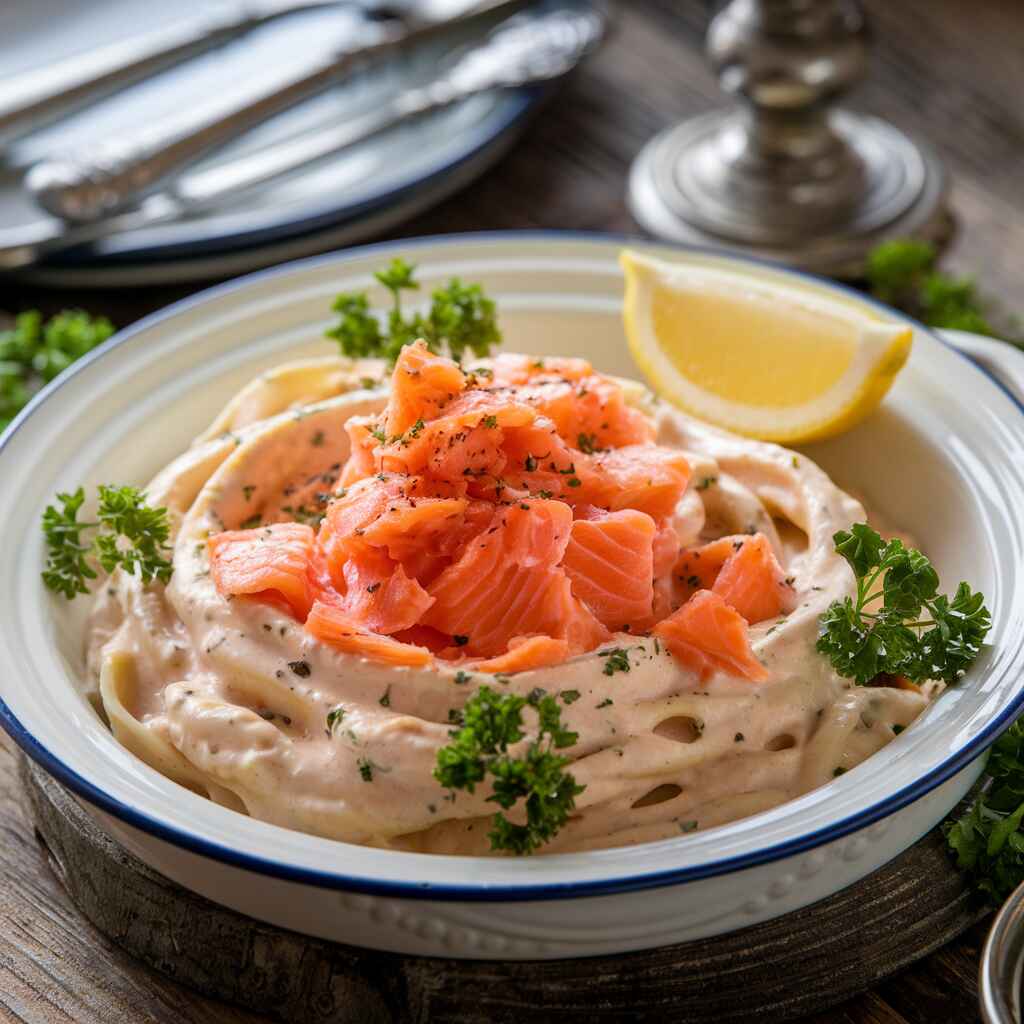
[(525, 50), (117, 174), (1002, 963), (34, 99)]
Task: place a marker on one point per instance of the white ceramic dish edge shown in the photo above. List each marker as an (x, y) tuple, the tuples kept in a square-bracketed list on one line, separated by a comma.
[(424, 912)]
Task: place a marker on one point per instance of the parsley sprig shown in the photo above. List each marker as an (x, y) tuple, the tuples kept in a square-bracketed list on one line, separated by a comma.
[(127, 533), (492, 723), (987, 840), (916, 632), (32, 353), (461, 318)]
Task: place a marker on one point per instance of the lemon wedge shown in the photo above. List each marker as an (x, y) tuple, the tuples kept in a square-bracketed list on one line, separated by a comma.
[(757, 355)]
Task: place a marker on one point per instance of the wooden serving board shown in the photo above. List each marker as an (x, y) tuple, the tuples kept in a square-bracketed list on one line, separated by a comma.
[(794, 965)]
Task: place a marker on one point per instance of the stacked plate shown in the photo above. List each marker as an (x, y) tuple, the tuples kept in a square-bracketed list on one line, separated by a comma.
[(350, 196)]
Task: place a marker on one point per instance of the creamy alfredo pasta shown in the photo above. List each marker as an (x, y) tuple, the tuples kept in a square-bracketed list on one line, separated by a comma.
[(229, 695)]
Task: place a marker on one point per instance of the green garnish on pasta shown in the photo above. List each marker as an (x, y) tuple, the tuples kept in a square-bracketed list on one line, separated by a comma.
[(461, 319), (491, 724), (915, 631), (127, 533)]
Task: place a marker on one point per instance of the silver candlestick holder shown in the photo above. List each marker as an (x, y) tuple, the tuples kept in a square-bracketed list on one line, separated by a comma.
[(784, 174)]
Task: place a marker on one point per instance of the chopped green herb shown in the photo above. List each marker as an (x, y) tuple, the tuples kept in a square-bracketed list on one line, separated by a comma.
[(618, 660), (687, 826), (529, 463), (385, 700), (334, 718), (706, 482), (317, 439), (895, 639), (251, 522), (462, 678), (300, 668), (606, 703), (570, 696), (837, 771), (587, 443), (573, 481), (490, 422), (378, 433), (479, 750), (248, 490), (366, 767)]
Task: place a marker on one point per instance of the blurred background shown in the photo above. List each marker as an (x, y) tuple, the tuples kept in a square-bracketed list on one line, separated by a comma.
[(548, 155)]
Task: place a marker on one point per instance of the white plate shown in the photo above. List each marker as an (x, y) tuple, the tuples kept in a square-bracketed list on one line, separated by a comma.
[(338, 200), (943, 457)]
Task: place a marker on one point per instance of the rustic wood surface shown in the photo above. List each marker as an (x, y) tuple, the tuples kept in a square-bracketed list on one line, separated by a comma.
[(779, 970), (950, 70)]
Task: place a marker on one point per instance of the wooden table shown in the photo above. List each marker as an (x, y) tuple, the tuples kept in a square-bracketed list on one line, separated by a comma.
[(950, 70)]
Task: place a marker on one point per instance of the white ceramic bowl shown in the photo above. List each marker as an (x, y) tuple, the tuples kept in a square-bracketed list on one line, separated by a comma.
[(944, 458)]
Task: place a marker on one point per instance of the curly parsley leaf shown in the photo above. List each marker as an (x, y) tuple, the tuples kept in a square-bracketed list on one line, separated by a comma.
[(464, 319), (461, 318), (128, 534), (535, 781), (915, 631), (67, 566)]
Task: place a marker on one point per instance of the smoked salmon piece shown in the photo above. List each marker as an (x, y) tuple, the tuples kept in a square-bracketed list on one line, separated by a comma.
[(708, 636), (698, 568), (589, 411), (268, 560), (516, 368), (641, 476), (331, 625), (526, 652), (743, 570), (507, 584), (610, 561), (361, 462), (421, 386), (379, 596), (752, 581)]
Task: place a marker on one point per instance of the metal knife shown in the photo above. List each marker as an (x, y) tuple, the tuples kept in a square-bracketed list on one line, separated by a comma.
[(118, 174), (525, 50)]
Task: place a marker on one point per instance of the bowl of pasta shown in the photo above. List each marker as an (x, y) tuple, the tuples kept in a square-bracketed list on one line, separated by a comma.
[(407, 646)]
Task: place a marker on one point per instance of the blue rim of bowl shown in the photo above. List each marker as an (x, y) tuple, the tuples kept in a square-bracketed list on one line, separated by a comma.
[(486, 892)]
